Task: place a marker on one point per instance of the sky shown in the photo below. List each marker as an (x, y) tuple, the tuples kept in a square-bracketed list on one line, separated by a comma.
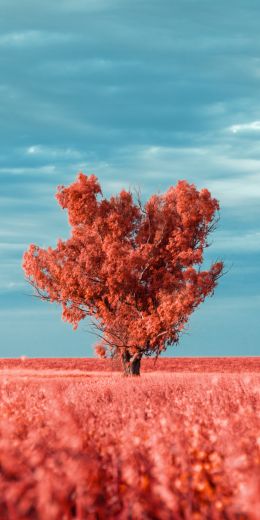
[(141, 94)]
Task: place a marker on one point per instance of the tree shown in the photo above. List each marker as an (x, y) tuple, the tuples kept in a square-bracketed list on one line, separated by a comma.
[(134, 269)]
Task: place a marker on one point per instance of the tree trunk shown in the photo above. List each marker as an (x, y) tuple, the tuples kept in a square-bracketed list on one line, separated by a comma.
[(131, 363)]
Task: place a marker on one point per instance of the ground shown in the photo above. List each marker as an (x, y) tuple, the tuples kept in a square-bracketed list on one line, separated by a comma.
[(79, 440)]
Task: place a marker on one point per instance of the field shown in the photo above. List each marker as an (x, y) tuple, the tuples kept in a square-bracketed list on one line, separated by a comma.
[(80, 441)]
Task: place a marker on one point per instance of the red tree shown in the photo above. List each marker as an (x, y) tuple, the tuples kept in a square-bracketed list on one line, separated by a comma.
[(135, 269)]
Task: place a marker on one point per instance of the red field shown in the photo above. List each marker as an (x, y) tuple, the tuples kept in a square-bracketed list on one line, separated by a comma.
[(79, 441), (228, 364)]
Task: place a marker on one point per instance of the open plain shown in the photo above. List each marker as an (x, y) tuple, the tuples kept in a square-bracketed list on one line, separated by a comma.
[(78, 440)]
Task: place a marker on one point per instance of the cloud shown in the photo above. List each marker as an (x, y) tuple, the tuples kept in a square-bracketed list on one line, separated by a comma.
[(231, 303), (11, 286), (241, 192), (247, 127), (218, 159), (236, 242), (7, 246), (28, 38), (89, 6), (24, 313), (28, 170), (231, 177), (52, 152)]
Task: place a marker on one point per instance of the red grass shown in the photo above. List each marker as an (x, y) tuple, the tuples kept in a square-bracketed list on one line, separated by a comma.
[(228, 364), (163, 446)]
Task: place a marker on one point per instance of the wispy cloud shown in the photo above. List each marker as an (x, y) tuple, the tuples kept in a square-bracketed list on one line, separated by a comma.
[(231, 177), (241, 192), (89, 6), (28, 170), (28, 38), (231, 303), (53, 152), (7, 246), (246, 127), (248, 242), (13, 286), (22, 313)]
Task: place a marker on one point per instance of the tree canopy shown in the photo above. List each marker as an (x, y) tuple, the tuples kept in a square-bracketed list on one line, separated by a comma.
[(134, 268)]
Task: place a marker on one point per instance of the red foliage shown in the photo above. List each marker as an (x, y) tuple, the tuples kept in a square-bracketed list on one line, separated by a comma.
[(100, 350), (171, 446), (135, 269)]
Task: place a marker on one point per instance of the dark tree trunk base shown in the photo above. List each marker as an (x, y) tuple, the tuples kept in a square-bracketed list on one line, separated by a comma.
[(131, 364)]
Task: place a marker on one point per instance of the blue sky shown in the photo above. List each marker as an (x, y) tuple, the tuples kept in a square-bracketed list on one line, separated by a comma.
[(140, 94)]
